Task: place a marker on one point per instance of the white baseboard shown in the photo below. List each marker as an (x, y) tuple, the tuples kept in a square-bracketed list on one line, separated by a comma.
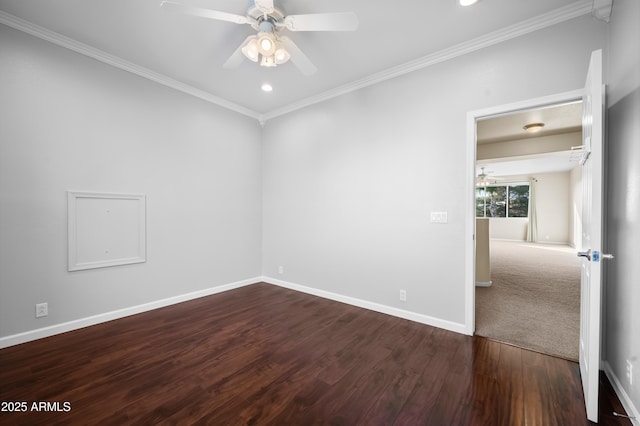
[(558, 243), (632, 410), (400, 313), (52, 330)]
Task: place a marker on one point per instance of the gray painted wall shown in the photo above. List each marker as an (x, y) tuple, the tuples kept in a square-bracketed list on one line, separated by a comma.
[(622, 287), (553, 206), (349, 183), (71, 123)]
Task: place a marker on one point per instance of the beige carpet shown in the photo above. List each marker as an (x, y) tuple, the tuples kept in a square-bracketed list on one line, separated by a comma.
[(534, 301)]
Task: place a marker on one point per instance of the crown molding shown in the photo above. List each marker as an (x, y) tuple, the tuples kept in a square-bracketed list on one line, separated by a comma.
[(84, 49), (571, 11)]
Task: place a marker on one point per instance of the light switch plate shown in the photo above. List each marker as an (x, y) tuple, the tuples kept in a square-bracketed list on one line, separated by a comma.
[(439, 217)]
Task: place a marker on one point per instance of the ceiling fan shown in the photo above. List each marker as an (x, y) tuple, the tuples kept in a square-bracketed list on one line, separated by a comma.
[(483, 179), (268, 46)]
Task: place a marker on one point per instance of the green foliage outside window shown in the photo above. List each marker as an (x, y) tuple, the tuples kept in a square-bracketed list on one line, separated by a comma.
[(502, 201)]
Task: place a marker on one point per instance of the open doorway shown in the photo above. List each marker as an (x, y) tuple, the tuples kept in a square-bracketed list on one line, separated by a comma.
[(527, 209)]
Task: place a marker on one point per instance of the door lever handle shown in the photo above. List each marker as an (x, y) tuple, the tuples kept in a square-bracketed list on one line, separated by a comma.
[(586, 254), (596, 255)]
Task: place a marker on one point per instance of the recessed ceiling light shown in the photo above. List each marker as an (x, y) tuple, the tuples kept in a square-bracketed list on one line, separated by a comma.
[(266, 87), (467, 2), (533, 127)]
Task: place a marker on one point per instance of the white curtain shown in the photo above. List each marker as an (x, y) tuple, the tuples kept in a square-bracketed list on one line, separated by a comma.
[(532, 227)]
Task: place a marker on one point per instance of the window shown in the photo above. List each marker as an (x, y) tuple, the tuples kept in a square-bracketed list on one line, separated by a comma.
[(502, 201)]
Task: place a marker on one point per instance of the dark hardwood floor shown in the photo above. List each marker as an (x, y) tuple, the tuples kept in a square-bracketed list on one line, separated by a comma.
[(267, 355)]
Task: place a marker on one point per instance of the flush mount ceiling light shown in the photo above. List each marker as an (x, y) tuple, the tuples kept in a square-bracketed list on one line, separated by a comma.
[(266, 87), (533, 127), (467, 2)]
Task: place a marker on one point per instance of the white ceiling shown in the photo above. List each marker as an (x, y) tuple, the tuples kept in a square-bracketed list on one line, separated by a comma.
[(557, 119), (531, 165), (187, 52)]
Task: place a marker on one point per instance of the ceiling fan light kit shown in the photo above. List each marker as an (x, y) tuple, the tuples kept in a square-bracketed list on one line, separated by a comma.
[(281, 55), (250, 49), (268, 48), (267, 45)]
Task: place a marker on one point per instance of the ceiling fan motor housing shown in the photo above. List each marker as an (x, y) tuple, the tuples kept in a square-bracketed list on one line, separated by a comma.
[(274, 17)]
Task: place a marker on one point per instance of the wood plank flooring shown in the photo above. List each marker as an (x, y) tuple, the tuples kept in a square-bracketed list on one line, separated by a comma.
[(264, 355)]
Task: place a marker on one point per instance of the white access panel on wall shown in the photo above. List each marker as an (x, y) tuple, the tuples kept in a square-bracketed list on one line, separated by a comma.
[(106, 229)]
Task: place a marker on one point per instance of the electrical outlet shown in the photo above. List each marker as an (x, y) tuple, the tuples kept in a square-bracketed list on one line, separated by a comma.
[(42, 310), (403, 295), (281, 269), (630, 372)]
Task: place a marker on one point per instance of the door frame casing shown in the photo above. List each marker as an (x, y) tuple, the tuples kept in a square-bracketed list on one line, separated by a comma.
[(470, 195)]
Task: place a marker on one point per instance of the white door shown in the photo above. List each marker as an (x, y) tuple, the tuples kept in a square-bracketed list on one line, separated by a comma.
[(591, 281)]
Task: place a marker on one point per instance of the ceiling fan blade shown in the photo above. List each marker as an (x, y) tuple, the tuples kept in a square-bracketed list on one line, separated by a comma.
[(205, 13), (343, 21), (298, 58), (237, 57)]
